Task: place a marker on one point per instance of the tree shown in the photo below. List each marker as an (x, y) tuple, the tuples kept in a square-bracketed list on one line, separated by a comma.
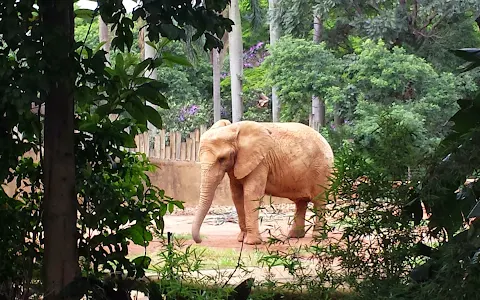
[(401, 88), (424, 28), (104, 36), (318, 105), (217, 63), (59, 218), (274, 36), (301, 69), (40, 56), (236, 61)]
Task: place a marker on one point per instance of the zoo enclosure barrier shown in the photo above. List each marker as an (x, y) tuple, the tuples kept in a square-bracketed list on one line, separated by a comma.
[(170, 145)]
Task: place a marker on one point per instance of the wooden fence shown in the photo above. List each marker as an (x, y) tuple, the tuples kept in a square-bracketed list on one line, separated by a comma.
[(174, 148)]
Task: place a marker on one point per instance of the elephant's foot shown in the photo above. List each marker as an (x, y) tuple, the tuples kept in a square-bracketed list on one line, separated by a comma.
[(241, 236), (318, 232), (296, 233), (252, 239)]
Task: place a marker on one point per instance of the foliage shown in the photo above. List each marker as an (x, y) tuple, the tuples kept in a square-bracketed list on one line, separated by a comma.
[(254, 87), (376, 249), (254, 21), (21, 258), (117, 203), (454, 162), (189, 93), (408, 87), (427, 29), (300, 69)]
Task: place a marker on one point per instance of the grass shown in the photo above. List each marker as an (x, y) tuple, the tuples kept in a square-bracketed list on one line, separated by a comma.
[(211, 258), (227, 258), (186, 290)]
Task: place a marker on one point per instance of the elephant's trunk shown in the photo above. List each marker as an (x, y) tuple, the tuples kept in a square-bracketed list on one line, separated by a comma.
[(207, 191)]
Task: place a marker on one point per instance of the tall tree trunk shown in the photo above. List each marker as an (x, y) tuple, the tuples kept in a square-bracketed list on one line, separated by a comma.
[(274, 36), (216, 85), (104, 36), (149, 52), (59, 207), (217, 63), (236, 61), (318, 104)]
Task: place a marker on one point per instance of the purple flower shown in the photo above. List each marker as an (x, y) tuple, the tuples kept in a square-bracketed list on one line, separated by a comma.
[(193, 110)]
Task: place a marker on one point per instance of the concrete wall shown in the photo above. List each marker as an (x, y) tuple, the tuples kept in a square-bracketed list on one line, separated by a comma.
[(181, 181)]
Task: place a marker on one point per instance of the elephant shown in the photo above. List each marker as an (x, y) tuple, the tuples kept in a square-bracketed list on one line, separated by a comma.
[(289, 160)]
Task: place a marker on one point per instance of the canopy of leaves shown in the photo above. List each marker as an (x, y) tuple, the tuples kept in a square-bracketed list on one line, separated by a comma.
[(299, 69), (427, 28)]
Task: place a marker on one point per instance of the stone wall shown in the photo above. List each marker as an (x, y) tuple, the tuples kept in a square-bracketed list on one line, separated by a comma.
[(181, 181)]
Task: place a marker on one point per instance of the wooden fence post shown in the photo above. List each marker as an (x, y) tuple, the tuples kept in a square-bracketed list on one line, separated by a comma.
[(197, 143), (178, 144), (156, 146), (162, 144), (168, 153), (193, 155), (183, 150), (188, 150), (137, 142), (203, 128), (173, 148), (146, 143)]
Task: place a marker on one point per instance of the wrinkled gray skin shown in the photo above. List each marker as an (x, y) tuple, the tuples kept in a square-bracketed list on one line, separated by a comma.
[(288, 160)]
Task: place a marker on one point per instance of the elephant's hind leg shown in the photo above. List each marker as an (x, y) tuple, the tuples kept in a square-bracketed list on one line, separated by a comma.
[(298, 227), (319, 204)]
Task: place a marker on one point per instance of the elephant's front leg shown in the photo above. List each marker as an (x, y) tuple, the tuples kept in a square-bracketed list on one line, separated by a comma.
[(237, 196), (253, 191)]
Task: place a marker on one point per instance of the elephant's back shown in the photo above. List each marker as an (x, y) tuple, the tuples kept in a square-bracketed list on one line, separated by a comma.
[(299, 135)]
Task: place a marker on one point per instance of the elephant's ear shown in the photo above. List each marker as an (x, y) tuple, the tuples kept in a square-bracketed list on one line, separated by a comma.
[(220, 123), (253, 144)]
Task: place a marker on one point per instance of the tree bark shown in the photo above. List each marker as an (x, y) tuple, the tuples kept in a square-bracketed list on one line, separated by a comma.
[(59, 206), (236, 61), (104, 36), (318, 104), (217, 64), (216, 85), (274, 36), (149, 52)]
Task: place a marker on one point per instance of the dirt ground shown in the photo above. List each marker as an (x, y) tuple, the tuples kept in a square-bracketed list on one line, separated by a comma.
[(220, 229)]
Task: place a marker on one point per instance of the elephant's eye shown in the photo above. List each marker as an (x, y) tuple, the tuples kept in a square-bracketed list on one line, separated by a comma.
[(221, 159)]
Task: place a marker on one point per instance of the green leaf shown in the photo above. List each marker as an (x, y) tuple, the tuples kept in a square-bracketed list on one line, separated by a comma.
[(135, 111), (84, 13), (160, 224), (153, 116), (141, 67), (163, 42), (152, 44), (142, 262), (88, 126), (128, 141), (139, 235), (100, 45), (179, 60)]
